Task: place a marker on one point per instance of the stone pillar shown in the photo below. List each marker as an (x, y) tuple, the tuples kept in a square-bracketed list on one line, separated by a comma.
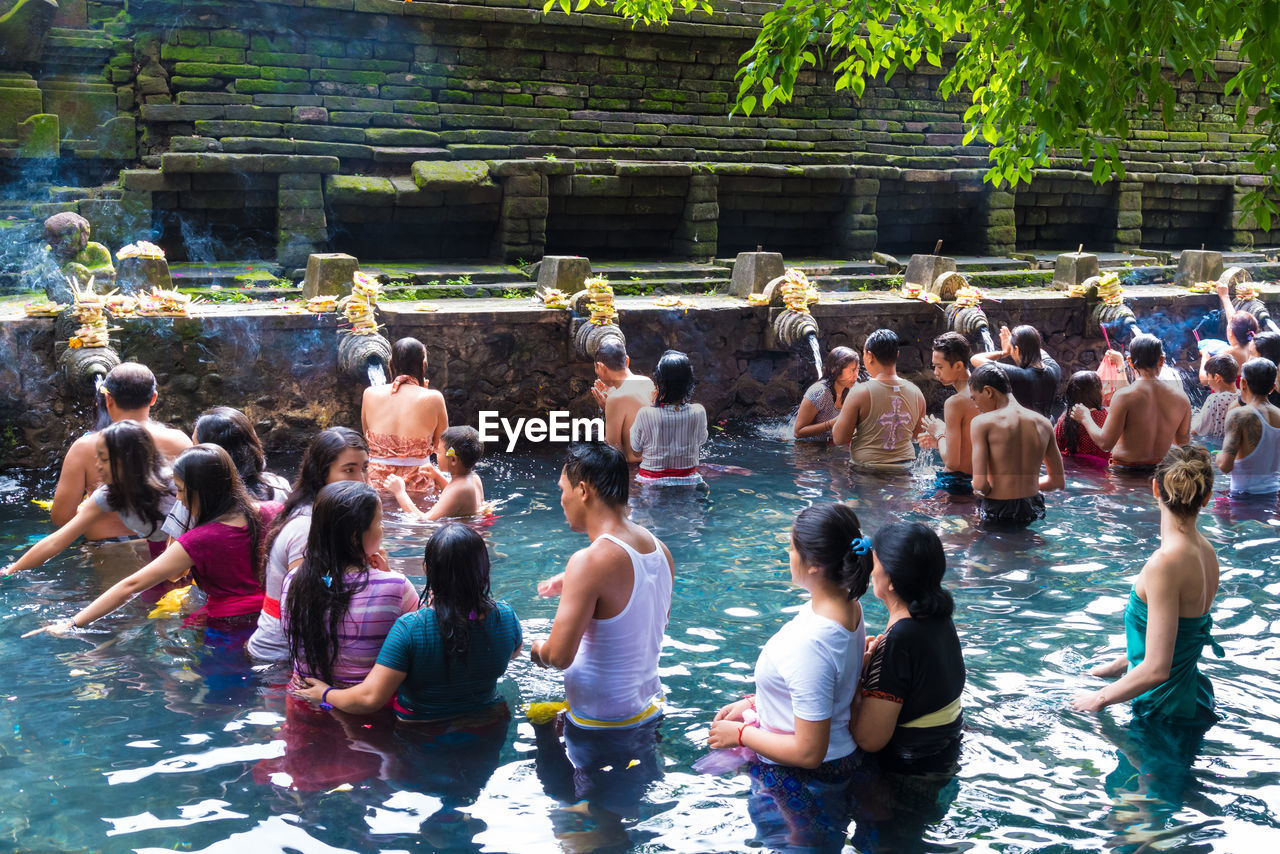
[(1243, 230), (1129, 215), (699, 230), (858, 221), (522, 222), (300, 218), (999, 223)]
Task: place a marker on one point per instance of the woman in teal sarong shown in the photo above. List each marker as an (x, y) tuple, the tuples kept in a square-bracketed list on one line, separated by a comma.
[(1167, 620)]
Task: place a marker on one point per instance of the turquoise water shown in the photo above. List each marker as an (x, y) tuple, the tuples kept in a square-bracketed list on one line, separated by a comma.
[(146, 735)]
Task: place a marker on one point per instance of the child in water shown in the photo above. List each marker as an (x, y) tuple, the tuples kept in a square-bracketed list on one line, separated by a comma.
[(463, 493), (1211, 421)]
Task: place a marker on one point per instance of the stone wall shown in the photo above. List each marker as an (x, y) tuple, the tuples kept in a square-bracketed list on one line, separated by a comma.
[(323, 108), (492, 354)]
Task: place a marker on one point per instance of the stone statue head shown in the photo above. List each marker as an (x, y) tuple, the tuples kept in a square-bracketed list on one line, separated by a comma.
[(67, 234)]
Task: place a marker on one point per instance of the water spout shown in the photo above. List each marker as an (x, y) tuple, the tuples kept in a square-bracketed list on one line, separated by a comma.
[(812, 338), (376, 372), (988, 345)]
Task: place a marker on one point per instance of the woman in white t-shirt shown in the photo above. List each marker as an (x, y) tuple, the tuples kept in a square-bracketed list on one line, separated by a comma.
[(798, 720), (336, 454)]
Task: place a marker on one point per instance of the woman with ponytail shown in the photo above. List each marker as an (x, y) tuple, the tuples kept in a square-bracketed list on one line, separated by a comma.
[(807, 673), (340, 603), (1166, 621), (909, 705), (446, 658), (337, 454)]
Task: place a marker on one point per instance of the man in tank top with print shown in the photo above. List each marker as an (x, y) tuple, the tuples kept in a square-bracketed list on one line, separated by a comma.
[(881, 417), (615, 597)]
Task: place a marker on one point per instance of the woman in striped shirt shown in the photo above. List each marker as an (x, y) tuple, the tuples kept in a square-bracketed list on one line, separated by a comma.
[(667, 436), (339, 605)]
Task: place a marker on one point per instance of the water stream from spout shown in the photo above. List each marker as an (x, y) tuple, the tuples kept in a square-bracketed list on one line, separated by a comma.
[(1271, 324), (377, 376), (817, 353), (987, 344)]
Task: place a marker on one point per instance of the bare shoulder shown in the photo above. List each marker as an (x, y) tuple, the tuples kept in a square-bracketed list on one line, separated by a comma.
[(1240, 416)]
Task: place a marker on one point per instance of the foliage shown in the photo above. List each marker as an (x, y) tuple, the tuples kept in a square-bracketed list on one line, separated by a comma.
[(1040, 77)]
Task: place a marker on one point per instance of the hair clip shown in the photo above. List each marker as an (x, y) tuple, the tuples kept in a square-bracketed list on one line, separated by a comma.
[(328, 580), (860, 546), (450, 453)]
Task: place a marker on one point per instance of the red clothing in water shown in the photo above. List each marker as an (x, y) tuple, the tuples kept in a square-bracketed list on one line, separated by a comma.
[(223, 567), (1085, 446)]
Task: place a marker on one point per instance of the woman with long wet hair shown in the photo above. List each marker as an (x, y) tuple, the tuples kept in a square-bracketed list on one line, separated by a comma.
[(667, 436)]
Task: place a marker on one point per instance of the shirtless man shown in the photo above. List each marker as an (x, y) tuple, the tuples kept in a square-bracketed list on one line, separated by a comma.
[(611, 668), (951, 354), (620, 394), (1145, 418), (881, 417), (1251, 446), (1009, 444), (1267, 345), (128, 393)]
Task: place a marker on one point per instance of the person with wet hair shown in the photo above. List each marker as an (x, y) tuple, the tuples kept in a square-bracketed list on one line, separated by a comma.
[(1267, 346), (137, 486), (666, 437), (615, 598), (1220, 373), (908, 710), (1010, 443), (881, 417), (823, 400), (334, 455), (222, 550), (127, 394), (1084, 388), (445, 658), (341, 602), (402, 421), (461, 491), (797, 722), (1033, 373), (1146, 417), (1166, 621), (1242, 327), (1251, 444), (951, 434), (620, 393)]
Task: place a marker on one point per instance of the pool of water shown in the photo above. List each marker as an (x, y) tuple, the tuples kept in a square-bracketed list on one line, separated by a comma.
[(147, 735)]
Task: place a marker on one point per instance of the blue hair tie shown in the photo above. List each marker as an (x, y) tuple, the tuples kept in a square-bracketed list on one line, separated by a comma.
[(861, 546), (328, 580)]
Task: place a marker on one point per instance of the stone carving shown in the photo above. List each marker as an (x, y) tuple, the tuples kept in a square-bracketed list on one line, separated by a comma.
[(70, 253)]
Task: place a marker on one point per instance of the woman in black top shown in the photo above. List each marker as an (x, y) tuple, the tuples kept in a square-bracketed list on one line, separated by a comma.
[(909, 708), (1034, 375)]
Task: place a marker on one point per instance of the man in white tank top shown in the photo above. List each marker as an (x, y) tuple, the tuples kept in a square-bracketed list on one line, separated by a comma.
[(615, 597)]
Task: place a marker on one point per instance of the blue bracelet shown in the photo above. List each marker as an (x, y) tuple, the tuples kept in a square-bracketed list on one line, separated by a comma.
[(324, 703)]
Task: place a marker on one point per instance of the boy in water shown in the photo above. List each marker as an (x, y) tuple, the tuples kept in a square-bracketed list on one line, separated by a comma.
[(462, 492), (1220, 373), (951, 354), (1009, 444)]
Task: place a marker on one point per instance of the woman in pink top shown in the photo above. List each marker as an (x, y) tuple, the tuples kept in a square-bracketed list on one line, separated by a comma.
[(339, 605), (222, 549)]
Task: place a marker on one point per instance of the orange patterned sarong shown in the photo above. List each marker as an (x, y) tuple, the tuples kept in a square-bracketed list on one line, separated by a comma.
[(390, 455)]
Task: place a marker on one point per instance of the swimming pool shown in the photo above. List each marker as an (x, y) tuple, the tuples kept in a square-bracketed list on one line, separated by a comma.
[(145, 735)]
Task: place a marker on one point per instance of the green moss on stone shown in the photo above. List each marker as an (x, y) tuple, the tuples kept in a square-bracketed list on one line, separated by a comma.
[(450, 174)]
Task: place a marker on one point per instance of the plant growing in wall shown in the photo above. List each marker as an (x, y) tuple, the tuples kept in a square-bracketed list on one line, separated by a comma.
[(1041, 78)]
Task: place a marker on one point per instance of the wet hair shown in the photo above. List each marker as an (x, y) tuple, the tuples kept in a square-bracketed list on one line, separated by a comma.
[(1259, 376), (456, 563), (913, 558), (833, 366), (824, 536), (1145, 352), (1027, 340), (409, 357), (1267, 345), (884, 345), (230, 429), (466, 444), (139, 479), (321, 591), (1243, 326), (990, 375), (1185, 479), (673, 378), (131, 385), (209, 476), (1084, 387), (602, 467), (612, 354), (313, 474), (954, 347), (1224, 366)]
